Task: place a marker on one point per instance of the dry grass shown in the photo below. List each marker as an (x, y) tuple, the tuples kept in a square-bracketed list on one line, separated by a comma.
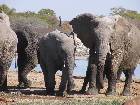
[(36, 94)]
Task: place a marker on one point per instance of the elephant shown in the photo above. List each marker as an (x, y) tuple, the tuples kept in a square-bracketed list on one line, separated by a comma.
[(28, 33), (57, 53), (114, 44), (8, 42)]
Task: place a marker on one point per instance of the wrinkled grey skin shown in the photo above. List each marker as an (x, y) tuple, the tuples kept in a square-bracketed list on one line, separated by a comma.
[(8, 42), (114, 45), (57, 53), (28, 33)]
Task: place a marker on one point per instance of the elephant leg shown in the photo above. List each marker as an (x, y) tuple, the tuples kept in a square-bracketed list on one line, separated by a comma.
[(3, 74), (86, 81), (64, 81), (50, 80), (67, 76), (49, 77), (119, 72), (92, 73), (111, 75), (70, 84), (44, 70), (3, 79), (100, 76), (24, 67), (128, 80), (70, 67), (22, 75), (92, 90), (114, 64)]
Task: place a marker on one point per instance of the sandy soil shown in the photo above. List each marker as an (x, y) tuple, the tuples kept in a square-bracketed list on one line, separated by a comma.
[(37, 91)]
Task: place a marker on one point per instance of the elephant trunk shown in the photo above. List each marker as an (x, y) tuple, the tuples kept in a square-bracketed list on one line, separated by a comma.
[(103, 49)]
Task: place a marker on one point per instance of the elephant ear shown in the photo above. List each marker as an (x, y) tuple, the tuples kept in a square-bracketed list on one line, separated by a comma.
[(94, 23), (73, 21)]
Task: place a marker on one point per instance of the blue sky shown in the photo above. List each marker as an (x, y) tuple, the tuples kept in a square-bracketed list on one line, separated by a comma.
[(68, 9)]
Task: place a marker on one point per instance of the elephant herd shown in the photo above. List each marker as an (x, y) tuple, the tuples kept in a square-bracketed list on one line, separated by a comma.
[(113, 42)]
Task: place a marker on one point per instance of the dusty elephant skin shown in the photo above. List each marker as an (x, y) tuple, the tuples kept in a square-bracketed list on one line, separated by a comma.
[(57, 53), (28, 34), (114, 45), (8, 42)]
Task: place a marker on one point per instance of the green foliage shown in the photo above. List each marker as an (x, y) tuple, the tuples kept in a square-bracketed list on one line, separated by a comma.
[(125, 13), (44, 16), (47, 12), (33, 17), (7, 10)]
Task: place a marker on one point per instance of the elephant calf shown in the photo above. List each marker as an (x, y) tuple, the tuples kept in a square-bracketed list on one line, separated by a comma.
[(57, 53)]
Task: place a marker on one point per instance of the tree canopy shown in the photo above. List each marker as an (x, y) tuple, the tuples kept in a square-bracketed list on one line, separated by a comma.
[(44, 16), (125, 13), (48, 12)]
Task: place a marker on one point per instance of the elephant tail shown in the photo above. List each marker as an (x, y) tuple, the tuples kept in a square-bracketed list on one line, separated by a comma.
[(15, 60), (60, 21), (73, 36)]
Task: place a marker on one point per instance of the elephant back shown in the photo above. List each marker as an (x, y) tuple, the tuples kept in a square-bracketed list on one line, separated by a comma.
[(6, 33), (8, 43)]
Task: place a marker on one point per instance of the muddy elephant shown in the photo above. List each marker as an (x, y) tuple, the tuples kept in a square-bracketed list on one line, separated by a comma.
[(114, 44), (8, 42), (28, 33), (57, 53)]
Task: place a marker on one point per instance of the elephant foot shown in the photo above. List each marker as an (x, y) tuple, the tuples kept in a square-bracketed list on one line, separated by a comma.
[(92, 91), (126, 92), (82, 91), (24, 85), (62, 94), (70, 88), (111, 92), (50, 92), (3, 89)]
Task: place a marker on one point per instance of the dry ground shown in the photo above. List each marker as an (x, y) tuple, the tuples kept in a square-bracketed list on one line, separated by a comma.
[(36, 94)]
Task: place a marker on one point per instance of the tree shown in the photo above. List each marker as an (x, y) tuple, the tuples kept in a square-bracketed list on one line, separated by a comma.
[(7, 10), (48, 12), (4, 8), (125, 13)]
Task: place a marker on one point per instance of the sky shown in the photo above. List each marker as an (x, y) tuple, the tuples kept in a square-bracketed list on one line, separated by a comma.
[(68, 9)]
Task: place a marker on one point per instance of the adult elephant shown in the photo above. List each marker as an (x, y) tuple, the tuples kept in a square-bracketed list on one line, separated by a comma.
[(57, 53), (8, 42), (114, 44), (28, 33)]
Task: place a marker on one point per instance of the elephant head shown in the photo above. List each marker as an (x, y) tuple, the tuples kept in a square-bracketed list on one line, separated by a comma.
[(83, 25)]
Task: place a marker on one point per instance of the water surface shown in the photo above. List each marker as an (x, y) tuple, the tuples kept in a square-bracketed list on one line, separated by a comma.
[(81, 67)]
